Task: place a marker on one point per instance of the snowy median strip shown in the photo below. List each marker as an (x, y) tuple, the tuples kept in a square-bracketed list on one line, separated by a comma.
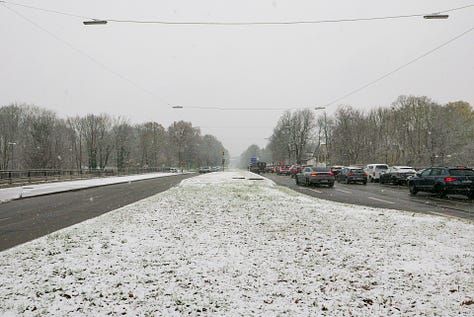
[(220, 245)]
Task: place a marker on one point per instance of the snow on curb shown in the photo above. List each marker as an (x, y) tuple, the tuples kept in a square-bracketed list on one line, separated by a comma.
[(223, 245)]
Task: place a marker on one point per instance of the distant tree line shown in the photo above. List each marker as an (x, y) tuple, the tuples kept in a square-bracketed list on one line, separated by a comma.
[(35, 138), (412, 131)]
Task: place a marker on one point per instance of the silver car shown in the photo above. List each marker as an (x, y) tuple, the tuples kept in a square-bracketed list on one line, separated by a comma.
[(315, 176)]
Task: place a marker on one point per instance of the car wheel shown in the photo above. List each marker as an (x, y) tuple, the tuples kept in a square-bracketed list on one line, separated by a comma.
[(412, 188), (471, 195), (331, 185), (364, 183), (347, 181), (297, 181), (307, 182)]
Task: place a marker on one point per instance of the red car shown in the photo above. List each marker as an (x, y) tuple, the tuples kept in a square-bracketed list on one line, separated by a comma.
[(295, 169), (283, 170)]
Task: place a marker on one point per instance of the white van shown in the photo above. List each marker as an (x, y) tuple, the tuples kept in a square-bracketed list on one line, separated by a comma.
[(373, 171)]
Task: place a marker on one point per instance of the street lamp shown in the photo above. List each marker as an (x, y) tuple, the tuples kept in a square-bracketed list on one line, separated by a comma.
[(319, 108), (11, 145), (177, 107), (436, 16), (95, 22), (325, 153)]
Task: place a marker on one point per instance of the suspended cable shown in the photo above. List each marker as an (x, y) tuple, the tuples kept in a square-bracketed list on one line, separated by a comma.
[(219, 23), (45, 10), (83, 53), (400, 67), (235, 108)]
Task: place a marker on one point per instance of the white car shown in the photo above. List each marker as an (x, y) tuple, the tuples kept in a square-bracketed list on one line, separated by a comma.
[(373, 171)]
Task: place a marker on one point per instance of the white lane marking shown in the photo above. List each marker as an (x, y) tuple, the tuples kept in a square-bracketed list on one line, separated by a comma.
[(382, 200), (317, 191), (344, 191), (3, 219), (440, 214)]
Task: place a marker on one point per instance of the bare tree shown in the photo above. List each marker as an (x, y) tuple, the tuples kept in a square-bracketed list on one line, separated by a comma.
[(123, 138), (151, 144), (97, 137), (11, 121), (181, 137)]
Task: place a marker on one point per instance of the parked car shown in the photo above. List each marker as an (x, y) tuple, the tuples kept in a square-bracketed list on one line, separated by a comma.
[(257, 167), (336, 169), (315, 176), (283, 170), (269, 168), (294, 169), (205, 169), (443, 181), (374, 170), (397, 175), (352, 174)]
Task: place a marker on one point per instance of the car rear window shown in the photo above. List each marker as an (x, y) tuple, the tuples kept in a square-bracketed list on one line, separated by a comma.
[(357, 171), (381, 167), (321, 169), (461, 172)]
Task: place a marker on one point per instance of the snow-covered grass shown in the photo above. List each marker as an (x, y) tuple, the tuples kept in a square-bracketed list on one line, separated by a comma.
[(218, 245)]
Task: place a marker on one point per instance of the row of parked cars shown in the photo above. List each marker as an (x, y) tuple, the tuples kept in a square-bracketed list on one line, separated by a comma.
[(439, 180)]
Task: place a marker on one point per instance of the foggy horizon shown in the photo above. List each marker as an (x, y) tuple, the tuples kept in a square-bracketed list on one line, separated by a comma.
[(139, 72)]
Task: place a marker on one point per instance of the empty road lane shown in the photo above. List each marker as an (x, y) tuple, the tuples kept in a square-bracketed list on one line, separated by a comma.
[(27, 219)]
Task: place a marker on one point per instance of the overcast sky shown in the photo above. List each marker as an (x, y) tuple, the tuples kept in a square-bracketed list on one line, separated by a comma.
[(138, 71)]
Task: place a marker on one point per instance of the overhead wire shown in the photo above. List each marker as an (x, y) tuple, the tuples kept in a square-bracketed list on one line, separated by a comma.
[(236, 24), (220, 23), (44, 10), (238, 108), (400, 67), (83, 53)]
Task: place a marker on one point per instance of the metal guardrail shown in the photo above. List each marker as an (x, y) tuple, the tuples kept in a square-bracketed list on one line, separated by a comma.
[(18, 177)]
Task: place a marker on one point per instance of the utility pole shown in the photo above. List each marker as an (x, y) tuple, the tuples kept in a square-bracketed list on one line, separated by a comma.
[(11, 149), (223, 160)]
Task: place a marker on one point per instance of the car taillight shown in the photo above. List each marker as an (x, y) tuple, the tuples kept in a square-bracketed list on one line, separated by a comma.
[(332, 174), (314, 174), (450, 179), (365, 175), (350, 174)]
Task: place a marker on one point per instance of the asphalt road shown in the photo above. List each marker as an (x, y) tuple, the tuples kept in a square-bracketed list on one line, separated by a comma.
[(27, 219), (385, 196)]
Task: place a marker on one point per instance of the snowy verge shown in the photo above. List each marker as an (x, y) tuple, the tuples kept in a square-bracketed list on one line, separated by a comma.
[(222, 244), (7, 194)]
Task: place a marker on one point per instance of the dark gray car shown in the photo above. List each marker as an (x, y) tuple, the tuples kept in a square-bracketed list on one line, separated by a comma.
[(352, 175), (315, 176)]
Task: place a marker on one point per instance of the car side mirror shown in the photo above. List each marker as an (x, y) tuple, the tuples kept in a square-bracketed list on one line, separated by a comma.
[(418, 174)]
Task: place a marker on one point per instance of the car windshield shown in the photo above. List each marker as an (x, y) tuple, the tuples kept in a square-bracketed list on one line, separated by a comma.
[(461, 172)]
